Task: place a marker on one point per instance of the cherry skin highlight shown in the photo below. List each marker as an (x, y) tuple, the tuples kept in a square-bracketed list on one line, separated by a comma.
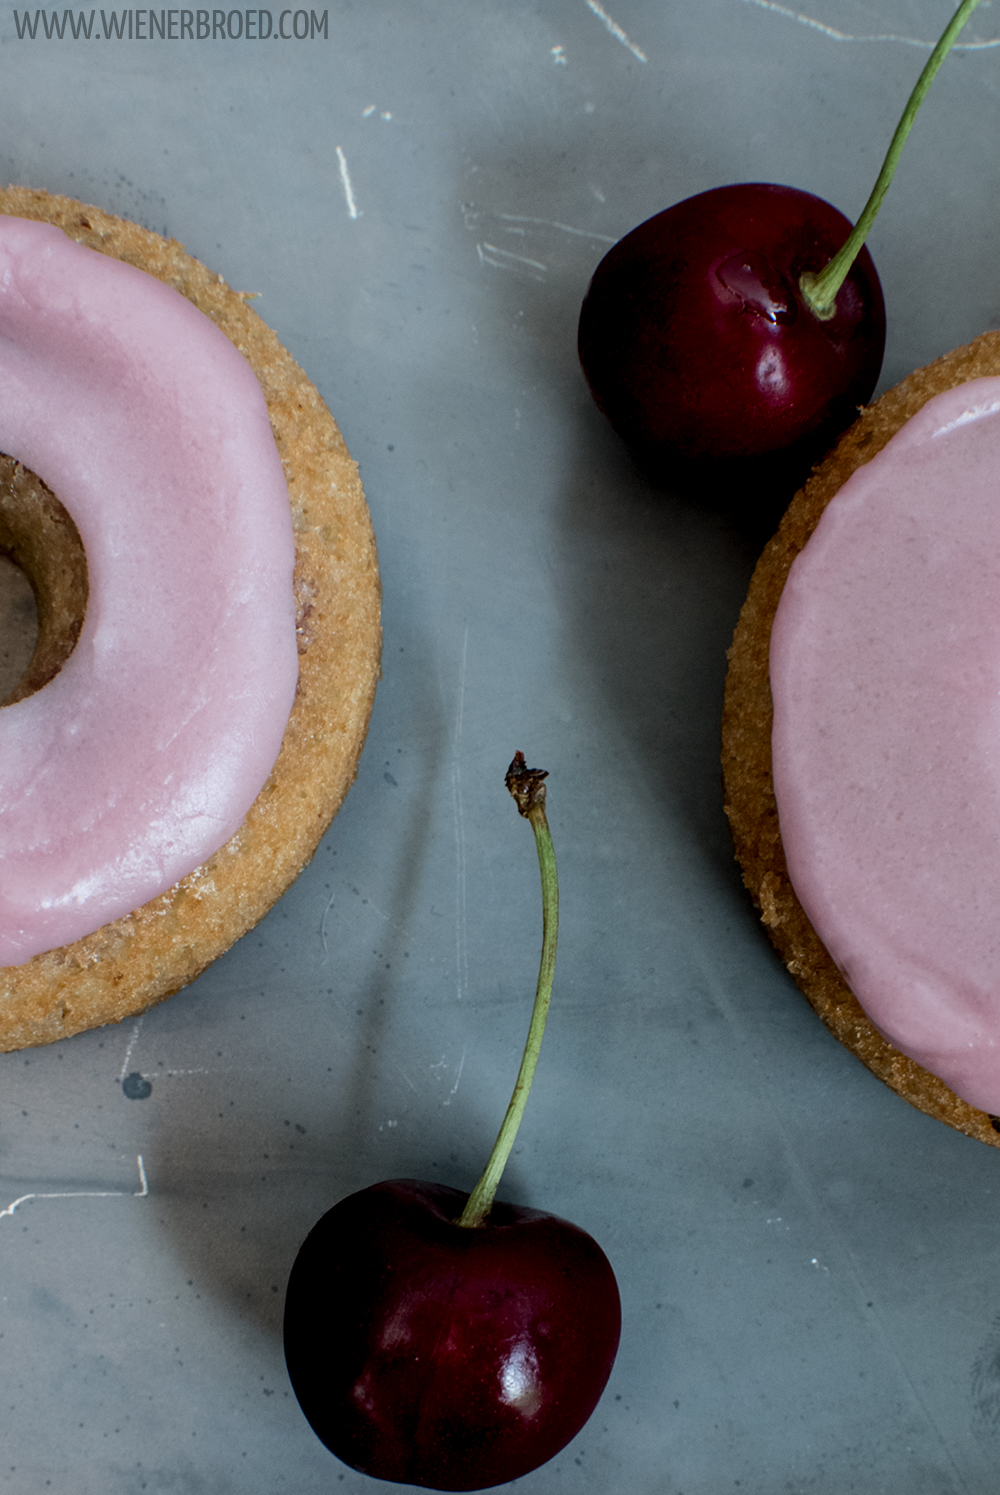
[(432, 1354), (698, 344)]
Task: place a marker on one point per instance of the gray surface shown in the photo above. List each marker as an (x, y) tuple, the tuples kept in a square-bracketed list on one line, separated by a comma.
[(809, 1268)]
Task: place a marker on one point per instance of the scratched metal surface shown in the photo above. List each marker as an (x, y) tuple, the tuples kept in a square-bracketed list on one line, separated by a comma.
[(809, 1269)]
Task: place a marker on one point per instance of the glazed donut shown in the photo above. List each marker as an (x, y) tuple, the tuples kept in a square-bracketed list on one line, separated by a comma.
[(143, 755), (119, 395), (748, 721)]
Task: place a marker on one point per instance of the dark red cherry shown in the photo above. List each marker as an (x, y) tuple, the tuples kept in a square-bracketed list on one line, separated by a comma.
[(438, 1355), (698, 343)]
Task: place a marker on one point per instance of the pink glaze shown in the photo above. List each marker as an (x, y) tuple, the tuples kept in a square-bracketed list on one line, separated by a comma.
[(885, 672), (143, 755)]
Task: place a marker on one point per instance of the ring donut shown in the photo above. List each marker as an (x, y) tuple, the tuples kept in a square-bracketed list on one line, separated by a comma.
[(143, 755), (126, 864)]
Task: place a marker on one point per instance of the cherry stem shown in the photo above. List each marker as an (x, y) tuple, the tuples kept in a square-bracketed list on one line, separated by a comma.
[(820, 290), (528, 789)]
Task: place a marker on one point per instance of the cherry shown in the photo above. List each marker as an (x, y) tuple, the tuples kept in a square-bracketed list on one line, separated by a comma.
[(744, 324), (696, 338), (455, 1359), (442, 1339)]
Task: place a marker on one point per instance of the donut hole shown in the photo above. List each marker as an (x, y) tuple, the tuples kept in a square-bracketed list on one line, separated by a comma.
[(18, 626), (43, 586)]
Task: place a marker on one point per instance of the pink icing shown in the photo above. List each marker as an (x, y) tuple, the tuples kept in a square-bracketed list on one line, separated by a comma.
[(143, 755), (885, 673)]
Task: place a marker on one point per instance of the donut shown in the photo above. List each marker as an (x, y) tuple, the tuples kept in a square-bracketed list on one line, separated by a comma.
[(143, 754), (750, 756), (201, 553)]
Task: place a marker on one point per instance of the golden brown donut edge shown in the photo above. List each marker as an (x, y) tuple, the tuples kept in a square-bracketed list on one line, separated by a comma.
[(128, 965), (746, 746)]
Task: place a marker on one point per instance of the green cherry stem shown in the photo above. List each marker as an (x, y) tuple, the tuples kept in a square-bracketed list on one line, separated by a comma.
[(820, 290), (528, 789)]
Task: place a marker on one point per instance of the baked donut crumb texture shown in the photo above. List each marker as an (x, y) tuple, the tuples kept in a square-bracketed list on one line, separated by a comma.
[(132, 963), (746, 747)]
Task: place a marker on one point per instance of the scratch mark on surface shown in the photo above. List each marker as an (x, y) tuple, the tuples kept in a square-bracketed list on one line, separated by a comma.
[(846, 36), (615, 29), (388, 919), (86, 1193), (566, 228), (322, 924), (405, 1075), (164, 1074), (352, 211), (506, 264), (131, 1045), (393, 924), (458, 1076), (461, 951), (485, 259), (527, 227), (508, 254)]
